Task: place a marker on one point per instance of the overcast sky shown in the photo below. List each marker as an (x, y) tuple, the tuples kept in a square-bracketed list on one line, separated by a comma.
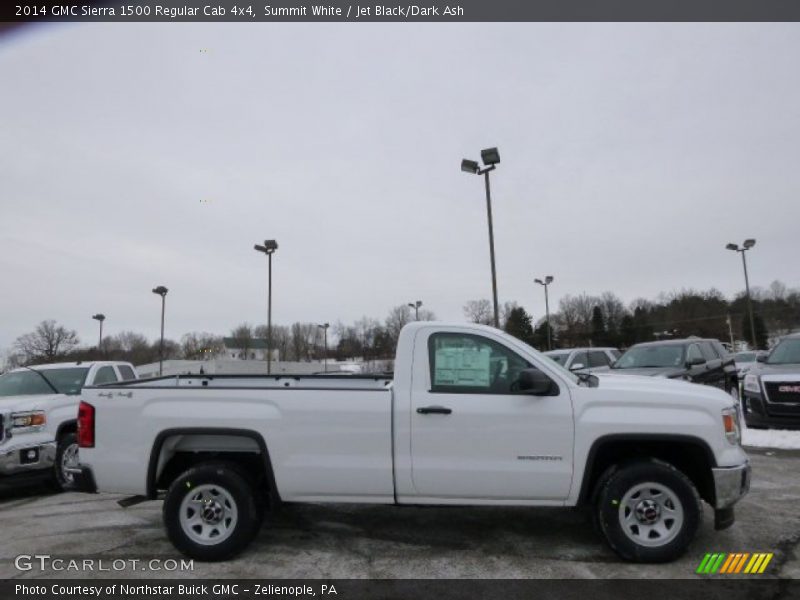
[(136, 155)]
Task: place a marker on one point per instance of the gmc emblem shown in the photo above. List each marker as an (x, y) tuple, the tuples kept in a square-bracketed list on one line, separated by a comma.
[(789, 389)]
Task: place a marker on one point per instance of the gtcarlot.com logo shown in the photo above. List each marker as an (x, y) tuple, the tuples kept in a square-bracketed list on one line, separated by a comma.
[(735, 563), (45, 562)]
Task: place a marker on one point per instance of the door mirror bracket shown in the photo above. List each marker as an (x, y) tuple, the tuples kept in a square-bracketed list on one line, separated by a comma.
[(534, 382)]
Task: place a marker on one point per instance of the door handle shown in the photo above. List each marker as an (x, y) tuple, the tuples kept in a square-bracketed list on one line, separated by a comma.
[(434, 410)]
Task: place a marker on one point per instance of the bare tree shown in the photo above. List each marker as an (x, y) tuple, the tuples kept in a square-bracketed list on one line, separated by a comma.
[(613, 310), (201, 345), (242, 338), (281, 338), (47, 342), (479, 311), (398, 317), (778, 290), (427, 315), (131, 346), (302, 340)]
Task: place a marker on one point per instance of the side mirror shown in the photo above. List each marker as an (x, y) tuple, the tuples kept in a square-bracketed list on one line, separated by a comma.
[(762, 357), (533, 381), (577, 366), (697, 360)]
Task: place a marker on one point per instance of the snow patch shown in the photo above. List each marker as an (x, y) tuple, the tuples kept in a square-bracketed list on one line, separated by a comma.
[(771, 438)]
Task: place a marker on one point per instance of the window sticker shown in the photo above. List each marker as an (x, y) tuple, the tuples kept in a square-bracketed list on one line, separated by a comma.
[(466, 366)]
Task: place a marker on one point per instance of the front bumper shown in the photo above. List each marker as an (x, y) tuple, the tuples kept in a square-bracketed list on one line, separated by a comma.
[(758, 413), (24, 456), (730, 484)]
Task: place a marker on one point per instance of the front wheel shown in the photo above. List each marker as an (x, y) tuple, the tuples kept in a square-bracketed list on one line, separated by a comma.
[(649, 512), (66, 458), (210, 512)]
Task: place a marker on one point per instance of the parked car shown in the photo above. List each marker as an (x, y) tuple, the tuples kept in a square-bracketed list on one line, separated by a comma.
[(745, 361), (584, 359), (772, 388), (472, 416), (38, 418), (698, 360)]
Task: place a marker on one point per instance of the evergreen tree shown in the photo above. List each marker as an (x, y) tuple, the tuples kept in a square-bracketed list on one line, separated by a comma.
[(627, 332), (518, 324), (759, 326), (598, 327)]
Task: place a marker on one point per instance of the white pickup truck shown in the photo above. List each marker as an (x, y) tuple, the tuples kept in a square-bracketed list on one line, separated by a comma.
[(472, 416), (38, 418)]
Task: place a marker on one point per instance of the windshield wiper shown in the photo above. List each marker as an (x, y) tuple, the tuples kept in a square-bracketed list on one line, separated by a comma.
[(46, 380)]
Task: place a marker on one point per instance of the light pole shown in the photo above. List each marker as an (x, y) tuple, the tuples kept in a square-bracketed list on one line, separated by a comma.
[(746, 245), (268, 248), (161, 291), (100, 317), (415, 306), (490, 158), (324, 328), (547, 281)]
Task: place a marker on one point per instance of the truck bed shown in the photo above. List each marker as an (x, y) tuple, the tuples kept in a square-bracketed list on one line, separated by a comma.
[(282, 381)]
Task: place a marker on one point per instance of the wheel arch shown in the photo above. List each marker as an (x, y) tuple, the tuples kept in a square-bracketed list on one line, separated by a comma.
[(173, 450), (689, 454), (65, 427)]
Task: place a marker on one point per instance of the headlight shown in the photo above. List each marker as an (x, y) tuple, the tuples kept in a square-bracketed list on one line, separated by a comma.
[(28, 420), (730, 423), (751, 383)]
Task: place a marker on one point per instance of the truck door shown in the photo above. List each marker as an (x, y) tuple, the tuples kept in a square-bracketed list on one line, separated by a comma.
[(474, 435)]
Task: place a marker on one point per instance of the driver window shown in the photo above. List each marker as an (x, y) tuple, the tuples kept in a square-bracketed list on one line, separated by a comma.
[(694, 353), (472, 364)]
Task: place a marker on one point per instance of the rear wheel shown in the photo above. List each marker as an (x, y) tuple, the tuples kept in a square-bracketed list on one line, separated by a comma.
[(210, 512), (649, 512)]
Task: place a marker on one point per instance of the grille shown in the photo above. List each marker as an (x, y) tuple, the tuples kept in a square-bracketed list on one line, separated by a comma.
[(783, 392)]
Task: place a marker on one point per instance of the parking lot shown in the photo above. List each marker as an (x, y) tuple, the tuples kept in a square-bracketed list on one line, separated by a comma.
[(343, 541)]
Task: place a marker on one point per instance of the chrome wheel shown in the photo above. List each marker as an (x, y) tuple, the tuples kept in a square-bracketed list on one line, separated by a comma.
[(69, 460), (650, 514), (208, 514)]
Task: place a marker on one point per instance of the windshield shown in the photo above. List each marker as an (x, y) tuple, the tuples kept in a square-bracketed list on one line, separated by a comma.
[(744, 357), (668, 355), (28, 383), (785, 353), (559, 357)]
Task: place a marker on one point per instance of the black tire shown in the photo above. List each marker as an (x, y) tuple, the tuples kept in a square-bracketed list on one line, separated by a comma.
[(233, 493), (62, 481), (676, 516)]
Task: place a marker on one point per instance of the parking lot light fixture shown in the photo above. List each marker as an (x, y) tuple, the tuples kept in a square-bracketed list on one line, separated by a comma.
[(470, 166), (547, 281), (415, 306), (747, 245), (269, 248), (491, 158), (100, 318), (161, 291)]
